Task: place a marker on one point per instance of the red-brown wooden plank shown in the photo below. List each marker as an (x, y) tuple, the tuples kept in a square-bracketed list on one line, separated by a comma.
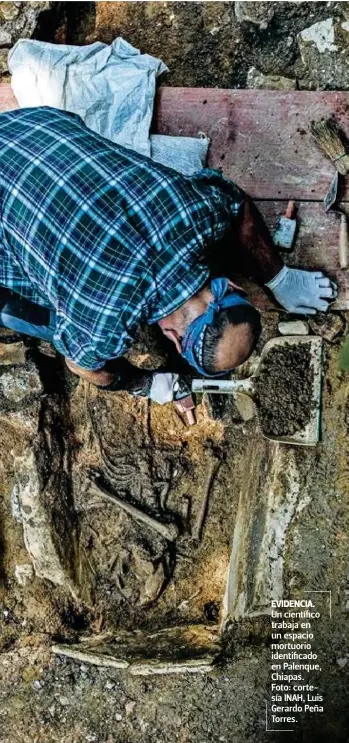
[(234, 117), (260, 138)]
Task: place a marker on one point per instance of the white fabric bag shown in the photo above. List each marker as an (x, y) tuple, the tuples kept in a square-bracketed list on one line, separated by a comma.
[(112, 87)]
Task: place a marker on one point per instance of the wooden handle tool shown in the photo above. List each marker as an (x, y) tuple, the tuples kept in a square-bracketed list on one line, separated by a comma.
[(343, 242)]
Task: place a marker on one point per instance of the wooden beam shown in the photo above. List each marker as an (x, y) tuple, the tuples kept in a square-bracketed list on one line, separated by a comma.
[(259, 138)]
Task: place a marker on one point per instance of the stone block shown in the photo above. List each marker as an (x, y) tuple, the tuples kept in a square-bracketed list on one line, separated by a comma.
[(20, 384), (324, 56), (260, 14), (293, 327), (25, 422), (24, 574), (11, 353), (329, 326), (9, 11), (321, 35), (5, 36), (258, 80), (41, 538), (19, 20), (245, 406), (184, 649), (256, 573)]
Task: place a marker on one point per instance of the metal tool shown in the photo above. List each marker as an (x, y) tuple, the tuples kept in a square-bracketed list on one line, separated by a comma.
[(184, 402), (331, 202), (285, 232), (167, 531), (308, 436)]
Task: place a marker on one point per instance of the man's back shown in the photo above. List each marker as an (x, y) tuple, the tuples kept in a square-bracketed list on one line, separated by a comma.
[(102, 234)]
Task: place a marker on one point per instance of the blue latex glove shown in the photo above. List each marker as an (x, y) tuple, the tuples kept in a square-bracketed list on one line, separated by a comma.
[(302, 292)]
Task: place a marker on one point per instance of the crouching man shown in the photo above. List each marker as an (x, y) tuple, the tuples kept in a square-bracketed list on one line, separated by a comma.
[(96, 239)]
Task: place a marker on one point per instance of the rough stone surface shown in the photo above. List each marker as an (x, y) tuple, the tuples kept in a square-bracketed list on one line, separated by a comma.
[(245, 406), (15, 504), (18, 20), (258, 13), (321, 35), (324, 54), (5, 36), (174, 650), (9, 11), (293, 327), (3, 61), (11, 353), (24, 422), (20, 384), (206, 43), (256, 79), (329, 326), (24, 574)]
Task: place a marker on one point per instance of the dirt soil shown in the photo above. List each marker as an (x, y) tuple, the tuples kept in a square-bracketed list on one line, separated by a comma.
[(146, 454), (161, 467), (284, 388)]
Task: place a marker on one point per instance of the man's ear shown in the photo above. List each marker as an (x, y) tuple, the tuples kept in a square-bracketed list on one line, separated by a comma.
[(174, 337), (235, 286)]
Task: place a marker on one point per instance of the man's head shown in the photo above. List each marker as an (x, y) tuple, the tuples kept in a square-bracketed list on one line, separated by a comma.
[(216, 330)]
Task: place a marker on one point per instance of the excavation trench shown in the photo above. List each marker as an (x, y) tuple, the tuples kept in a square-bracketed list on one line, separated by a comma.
[(83, 572)]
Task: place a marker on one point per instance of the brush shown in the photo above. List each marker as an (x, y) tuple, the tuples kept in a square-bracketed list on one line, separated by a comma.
[(330, 138)]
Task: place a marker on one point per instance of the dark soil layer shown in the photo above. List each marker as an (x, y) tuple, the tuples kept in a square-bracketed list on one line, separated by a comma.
[(284, 390)]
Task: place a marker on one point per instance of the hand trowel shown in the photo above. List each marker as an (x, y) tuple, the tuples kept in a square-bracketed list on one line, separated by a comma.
[(332, 203), (307, 436)]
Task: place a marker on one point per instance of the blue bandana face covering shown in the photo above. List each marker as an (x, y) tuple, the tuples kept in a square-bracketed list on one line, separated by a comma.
[(193, 339)]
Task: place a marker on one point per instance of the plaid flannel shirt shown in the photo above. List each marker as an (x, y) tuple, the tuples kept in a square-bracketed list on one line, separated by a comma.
[(100, 233)]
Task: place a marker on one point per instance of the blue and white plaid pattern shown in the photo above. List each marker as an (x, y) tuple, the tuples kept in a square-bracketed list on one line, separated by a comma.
[(101, 234)]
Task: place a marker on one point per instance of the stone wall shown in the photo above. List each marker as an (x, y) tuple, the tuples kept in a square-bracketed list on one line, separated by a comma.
[(17, 20), (273, 45), (224, 44)]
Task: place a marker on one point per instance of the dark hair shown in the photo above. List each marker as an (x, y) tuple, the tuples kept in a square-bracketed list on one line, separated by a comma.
[(237, 315)]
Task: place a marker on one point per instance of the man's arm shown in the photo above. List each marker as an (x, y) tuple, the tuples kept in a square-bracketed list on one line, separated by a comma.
[(301, 292), (161, 385), (101, 377), (124, 376), (261, 257)]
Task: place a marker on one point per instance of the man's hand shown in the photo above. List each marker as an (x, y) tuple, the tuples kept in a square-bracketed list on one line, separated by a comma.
[(302, 292), (158, 386), (163, 387)]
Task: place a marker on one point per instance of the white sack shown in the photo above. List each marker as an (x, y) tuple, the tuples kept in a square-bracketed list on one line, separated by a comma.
[(112, 87)]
